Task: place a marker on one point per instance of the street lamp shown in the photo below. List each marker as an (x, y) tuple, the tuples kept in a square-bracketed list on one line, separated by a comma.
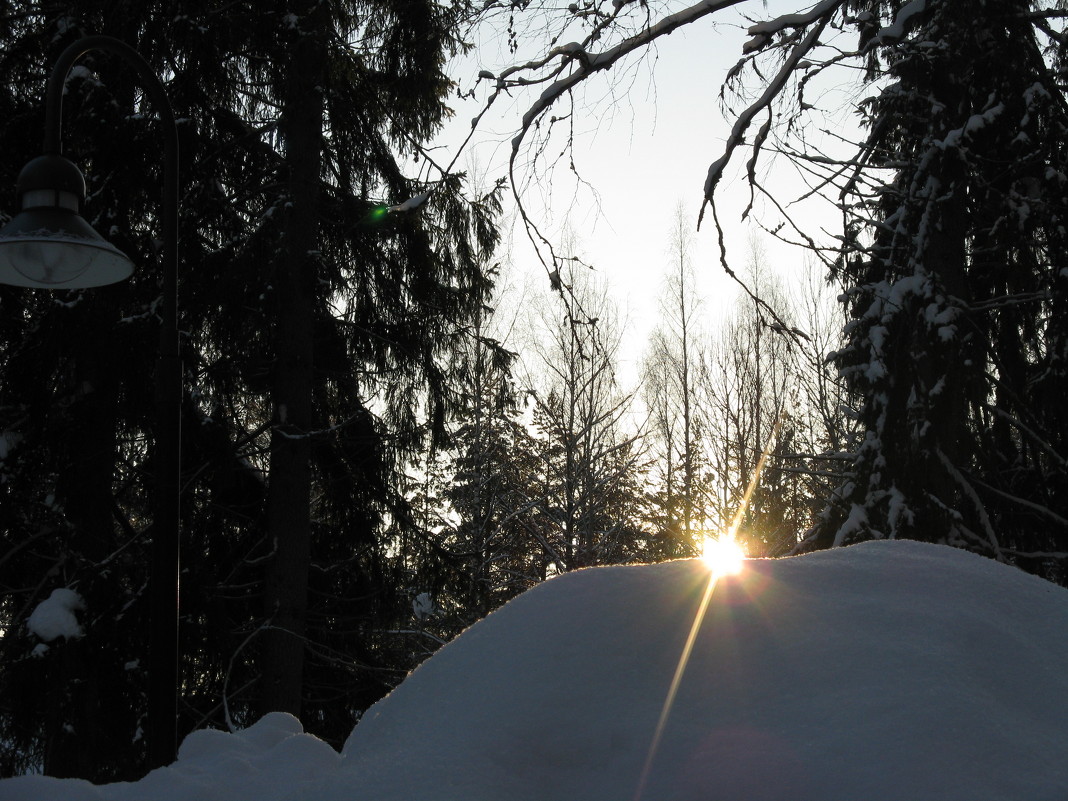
[(50, 246)]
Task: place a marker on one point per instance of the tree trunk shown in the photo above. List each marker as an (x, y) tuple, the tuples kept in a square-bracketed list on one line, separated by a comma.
[(289, 489), (78, 731)]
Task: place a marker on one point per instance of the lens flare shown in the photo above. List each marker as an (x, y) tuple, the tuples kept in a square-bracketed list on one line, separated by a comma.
[(723, 555)]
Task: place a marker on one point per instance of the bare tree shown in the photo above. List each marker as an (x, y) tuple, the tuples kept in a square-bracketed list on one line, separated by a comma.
[(590, 492), (749, 387), (826, 425), (669, 381)]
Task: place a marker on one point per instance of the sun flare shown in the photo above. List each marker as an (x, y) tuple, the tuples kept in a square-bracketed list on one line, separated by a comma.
[(723, 555)]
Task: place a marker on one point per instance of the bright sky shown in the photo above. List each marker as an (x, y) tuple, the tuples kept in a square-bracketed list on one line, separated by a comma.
[(646, 134)]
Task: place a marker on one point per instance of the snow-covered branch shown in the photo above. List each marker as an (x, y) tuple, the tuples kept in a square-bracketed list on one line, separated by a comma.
[(774, 87), (589, 63)]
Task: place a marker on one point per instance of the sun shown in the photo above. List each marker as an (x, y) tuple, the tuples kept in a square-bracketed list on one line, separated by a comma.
[(723, 555)]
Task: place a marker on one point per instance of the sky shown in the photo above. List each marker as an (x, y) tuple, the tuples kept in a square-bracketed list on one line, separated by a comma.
[(647, 132), (883, 671)]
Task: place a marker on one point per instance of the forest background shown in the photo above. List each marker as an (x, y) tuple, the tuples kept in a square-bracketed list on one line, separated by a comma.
[(381, 444)]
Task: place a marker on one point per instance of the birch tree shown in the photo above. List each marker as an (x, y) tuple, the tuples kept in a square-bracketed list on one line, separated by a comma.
[(670, 387), (589, 494), (749, 386)]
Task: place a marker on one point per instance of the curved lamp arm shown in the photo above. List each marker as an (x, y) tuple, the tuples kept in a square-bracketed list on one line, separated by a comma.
[(153, 87)]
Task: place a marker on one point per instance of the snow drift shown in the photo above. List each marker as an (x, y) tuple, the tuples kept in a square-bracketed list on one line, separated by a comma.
[(883, 671)]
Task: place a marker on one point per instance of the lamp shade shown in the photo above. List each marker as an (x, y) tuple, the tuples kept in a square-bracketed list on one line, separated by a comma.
[(48, 244)]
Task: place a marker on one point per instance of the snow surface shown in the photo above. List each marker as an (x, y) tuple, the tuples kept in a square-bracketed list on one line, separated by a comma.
[(879, 672), (54, 617)]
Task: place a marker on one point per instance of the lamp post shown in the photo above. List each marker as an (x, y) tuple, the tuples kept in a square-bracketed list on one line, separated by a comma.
[(49, 245)]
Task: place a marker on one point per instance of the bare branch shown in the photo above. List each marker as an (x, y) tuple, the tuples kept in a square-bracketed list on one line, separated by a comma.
[(821, 14), (589, 63)]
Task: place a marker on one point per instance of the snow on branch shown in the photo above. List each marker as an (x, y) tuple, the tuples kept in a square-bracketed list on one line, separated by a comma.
[(745, 119), (1042, 442), (763, 31), (54, 617), (969, 492), (411, 204), (1039, 509), (588, 63), (895, 32)]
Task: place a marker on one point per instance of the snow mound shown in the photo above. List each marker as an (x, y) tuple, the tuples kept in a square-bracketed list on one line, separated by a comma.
[(883, 671), (269, 761)]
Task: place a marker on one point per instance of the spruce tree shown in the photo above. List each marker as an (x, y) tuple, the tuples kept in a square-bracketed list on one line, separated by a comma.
[(955, 351), (316, 328)]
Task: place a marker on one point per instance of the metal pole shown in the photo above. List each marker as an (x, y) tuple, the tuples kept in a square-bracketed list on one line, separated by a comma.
[(161, 731)]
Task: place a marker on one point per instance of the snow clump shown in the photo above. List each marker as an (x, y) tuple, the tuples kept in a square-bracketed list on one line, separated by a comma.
[(54, 617)]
